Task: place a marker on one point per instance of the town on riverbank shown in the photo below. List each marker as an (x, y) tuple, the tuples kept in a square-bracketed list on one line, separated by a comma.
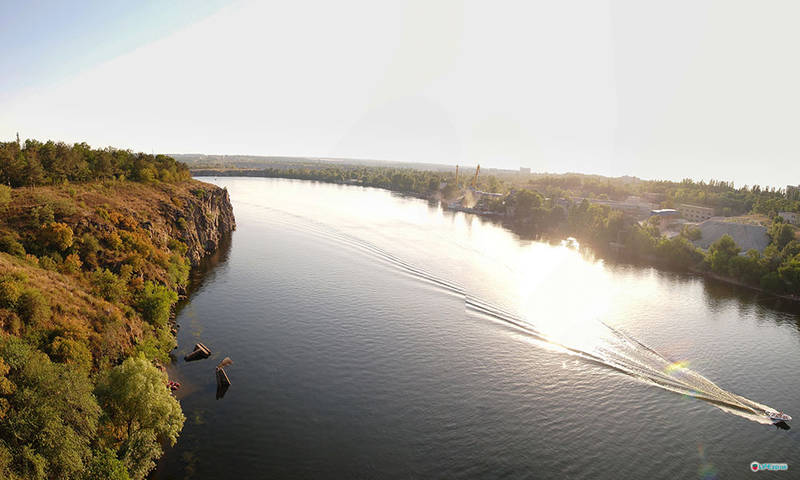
[(745, 235)]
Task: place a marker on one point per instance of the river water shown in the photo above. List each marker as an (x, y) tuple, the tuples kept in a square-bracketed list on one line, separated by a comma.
[(378, 336)]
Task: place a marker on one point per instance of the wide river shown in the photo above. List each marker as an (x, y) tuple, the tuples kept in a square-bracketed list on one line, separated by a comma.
[(378, 336)]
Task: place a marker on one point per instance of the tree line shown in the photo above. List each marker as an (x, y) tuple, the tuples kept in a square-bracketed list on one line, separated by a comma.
[(50, 163)]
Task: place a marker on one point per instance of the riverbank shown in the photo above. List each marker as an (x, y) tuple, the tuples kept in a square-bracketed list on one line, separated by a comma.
[(90, 274), (611, 233)]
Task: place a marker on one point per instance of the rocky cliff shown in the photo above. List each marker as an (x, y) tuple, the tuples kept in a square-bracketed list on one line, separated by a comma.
[(202, 221)]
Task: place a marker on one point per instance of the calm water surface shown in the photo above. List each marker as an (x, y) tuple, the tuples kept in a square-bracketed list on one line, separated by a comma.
[(351, 363)]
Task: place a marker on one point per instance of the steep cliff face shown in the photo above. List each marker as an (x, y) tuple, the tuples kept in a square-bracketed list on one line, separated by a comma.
[(108, 260), (204, 219)]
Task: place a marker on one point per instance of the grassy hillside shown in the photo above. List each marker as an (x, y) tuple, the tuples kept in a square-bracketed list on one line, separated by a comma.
[(89, 274)]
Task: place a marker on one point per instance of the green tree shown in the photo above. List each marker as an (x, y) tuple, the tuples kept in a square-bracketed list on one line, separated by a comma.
[(154, 303), (51, 414), (137, 403), (789, 272), (720, 254), (781, 234)]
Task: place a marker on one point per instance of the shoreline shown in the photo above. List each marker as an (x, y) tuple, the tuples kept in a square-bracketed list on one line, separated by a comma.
[(508, 224)]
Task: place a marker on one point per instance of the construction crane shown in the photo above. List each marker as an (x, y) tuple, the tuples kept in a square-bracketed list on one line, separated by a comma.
[(474, 183)]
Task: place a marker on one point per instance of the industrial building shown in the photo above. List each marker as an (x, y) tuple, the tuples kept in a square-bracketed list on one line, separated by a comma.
[(790, 217), (695, 213)]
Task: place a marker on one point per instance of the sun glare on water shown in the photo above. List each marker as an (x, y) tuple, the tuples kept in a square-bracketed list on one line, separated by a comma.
[(563, 295)]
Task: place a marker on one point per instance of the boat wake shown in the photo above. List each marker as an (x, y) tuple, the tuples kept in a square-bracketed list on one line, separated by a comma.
[(612, 348)]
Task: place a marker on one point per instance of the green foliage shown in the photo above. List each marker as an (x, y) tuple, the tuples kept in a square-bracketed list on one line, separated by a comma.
[(524, 202), (691, 233), (748, 268), (108, 285), (678, 252), (38, 163), (42, 215), (68, 350), (789, 273), (720, 254), (177, 246), (136, 401), (781, 234), (51, 414), (10, 291), (56, 235), (105, 465), (32, 307), (5, 196), (178, 270), (154, 303), (10, 245)]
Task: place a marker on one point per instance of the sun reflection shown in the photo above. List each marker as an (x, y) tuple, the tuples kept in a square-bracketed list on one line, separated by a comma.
[(561, 297)]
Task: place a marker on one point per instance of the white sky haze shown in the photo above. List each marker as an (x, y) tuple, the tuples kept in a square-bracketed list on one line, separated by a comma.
[(653, 89)]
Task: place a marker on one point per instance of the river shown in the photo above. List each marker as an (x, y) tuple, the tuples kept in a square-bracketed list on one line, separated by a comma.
[(378, 336)]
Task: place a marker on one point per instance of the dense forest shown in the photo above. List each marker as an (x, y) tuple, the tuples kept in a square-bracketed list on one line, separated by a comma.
[(561, 205), (51, 163), (91, 267)]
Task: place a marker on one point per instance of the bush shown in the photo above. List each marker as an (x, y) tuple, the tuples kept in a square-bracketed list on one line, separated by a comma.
[(33, 307), (154, 303), (10, 292), (10, 322), (48, 263), (178, 270), (56, 235), (107, 285), (68, 350), (10, 245), (5, 195), (71, 264)]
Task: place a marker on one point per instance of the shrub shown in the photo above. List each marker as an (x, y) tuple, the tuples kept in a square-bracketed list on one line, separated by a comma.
[(178, 270), (10, 322), (33, 307), (154, 303), (10, 292), (48, 263), (68, 350), (42, 215), (107, 285), (71, 264), (113, 241), (10, 245), (177, 246), (56, 235), (5, 195)]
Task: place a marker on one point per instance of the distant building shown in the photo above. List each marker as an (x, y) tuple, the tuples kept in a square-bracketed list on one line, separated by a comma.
[(525, 170), (635, 206), (790, 217), (695, 213), (665, 216)]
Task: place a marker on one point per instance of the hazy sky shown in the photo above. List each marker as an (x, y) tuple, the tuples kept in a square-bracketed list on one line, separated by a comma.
[(666, 89)]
